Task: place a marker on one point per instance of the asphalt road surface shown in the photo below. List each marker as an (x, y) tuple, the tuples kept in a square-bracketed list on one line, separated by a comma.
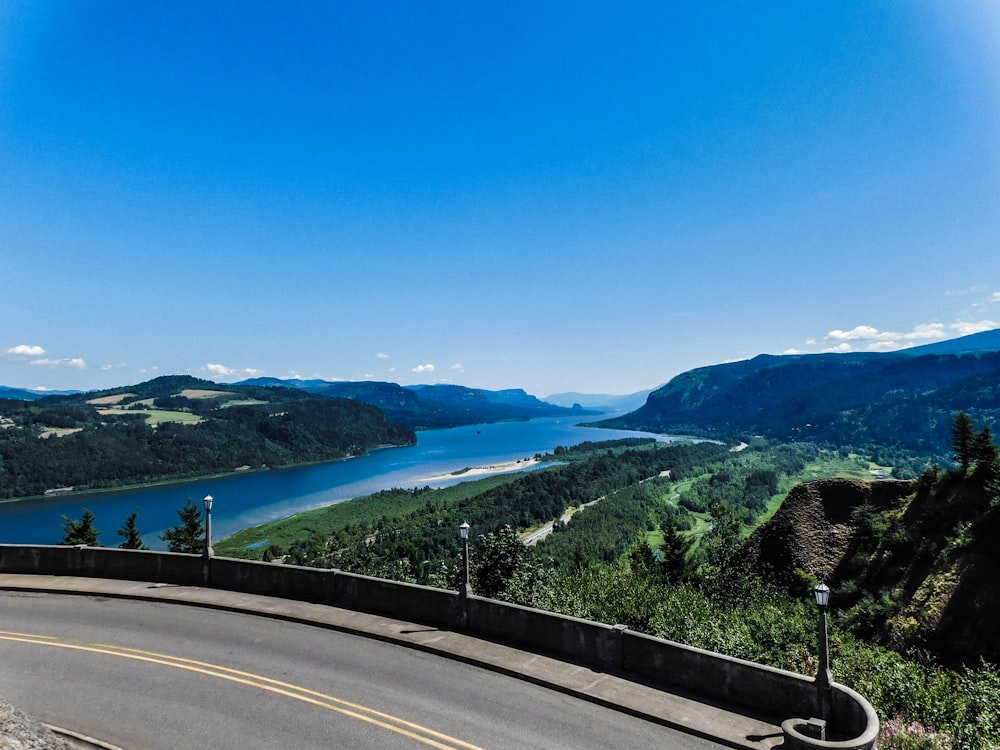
[(158, 676)]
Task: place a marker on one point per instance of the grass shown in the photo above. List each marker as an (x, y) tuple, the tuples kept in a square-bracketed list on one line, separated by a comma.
[(110, 400), (243, 402), (156, 417), (829, 465), (204, 393)]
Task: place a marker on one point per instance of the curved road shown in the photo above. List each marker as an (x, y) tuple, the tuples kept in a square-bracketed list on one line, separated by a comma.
[(166, 676)]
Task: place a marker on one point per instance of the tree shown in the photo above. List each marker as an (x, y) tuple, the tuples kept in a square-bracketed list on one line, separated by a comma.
[(82, 531), (189, 535), (675, 564), (132, 538), (499, 558), (963, 435)]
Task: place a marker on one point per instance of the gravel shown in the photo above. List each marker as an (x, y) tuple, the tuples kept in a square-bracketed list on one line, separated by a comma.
[(19, 732)]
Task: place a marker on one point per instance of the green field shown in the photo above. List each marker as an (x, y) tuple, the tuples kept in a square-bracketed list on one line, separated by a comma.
[(828, 465), (161, 416)]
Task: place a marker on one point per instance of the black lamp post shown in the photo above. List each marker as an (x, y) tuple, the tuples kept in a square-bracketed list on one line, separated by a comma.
[(208, 526), (465, 588), (823, 677)]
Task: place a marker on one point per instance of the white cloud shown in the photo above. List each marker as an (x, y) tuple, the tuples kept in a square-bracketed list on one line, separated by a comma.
[(27, 350), (458, 367), (793, 351), (423, 368), (221, 371), (865, 338), (382, 355), (965, 328), (74, 362), (871, 339), (886, 346), (995, 297), (859, 332), (840, 348)]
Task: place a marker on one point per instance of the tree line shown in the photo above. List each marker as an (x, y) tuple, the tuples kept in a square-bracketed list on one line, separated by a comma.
[(187, 536)]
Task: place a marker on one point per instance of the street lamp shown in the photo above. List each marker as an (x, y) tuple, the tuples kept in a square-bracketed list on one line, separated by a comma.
[(822, 592), (466, 587), (208, 526)]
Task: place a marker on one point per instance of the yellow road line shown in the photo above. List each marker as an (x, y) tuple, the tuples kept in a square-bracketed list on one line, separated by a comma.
[(392, 723)]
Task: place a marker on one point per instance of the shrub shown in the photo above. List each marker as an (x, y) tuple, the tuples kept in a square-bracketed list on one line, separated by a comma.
[(898, 735)]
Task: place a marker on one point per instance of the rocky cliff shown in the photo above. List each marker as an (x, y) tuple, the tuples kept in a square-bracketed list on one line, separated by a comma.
[(914, 565)]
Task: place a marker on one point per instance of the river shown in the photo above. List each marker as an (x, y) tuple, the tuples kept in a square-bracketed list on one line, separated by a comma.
[(245, 500)]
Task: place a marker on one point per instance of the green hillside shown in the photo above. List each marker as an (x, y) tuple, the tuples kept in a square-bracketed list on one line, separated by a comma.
[(883, 402), (176, 427)]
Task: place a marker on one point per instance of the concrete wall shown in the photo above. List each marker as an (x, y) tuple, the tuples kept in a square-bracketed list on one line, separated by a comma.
[(852, 723), (593, 643)]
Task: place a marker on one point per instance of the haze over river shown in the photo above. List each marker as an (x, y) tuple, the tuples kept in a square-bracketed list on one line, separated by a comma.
[(249, 499)]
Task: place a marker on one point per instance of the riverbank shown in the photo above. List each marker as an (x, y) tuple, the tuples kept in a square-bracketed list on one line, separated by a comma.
[(482, 471), (72, 492)]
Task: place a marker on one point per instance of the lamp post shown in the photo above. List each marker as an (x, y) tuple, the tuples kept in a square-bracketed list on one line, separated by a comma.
[(822, 593), (208, 526), (823, 678), (465, 588)]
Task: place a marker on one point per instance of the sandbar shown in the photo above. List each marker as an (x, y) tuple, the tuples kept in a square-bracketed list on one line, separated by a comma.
[(481, 471)]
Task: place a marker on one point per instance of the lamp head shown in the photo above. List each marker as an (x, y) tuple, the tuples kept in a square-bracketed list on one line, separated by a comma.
[(463, 530), (208, 503), (822, 593)]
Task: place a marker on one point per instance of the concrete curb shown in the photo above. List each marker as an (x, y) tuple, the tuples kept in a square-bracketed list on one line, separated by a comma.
[(81, 741)]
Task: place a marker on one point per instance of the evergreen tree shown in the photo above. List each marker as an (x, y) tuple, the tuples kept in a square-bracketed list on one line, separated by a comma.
[(987, 459), (642, 558), (132, 538), (82, 531), (674, 561), (963, 435), (189, 534)]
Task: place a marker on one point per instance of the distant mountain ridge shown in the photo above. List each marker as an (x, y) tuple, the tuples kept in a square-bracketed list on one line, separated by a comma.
[(899, 400), (422, 407), (27, 394), (601, 401)]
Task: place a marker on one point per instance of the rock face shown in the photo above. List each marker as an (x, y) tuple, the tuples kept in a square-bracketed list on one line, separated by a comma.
[(18, 732), (813, 529), (912, 565)]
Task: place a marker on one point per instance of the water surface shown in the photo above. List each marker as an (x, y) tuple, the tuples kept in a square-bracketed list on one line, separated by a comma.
[(249, 499)]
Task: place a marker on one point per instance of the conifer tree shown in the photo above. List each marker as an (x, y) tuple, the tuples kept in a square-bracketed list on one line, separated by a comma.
[(82, 531), (963, 435), (189, 534), (132, 537), (674, 554), (986, 458)]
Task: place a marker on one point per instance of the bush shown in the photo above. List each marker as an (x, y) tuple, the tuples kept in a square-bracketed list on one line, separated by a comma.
[(899, 735)]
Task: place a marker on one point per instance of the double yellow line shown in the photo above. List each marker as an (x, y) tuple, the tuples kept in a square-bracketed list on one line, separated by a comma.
[(419, 733)]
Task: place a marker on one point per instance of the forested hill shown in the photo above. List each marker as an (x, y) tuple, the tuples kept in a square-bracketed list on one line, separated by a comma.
[(901, 400), (423, 407), (176, 427)]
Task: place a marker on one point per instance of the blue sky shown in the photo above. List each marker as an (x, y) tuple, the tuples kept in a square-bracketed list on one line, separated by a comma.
[(553, 196)]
